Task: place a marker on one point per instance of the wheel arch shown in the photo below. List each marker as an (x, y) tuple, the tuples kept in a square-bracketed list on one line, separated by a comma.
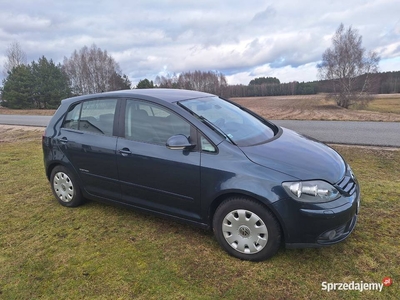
[(54, 164), (50, 168), (235, 194)]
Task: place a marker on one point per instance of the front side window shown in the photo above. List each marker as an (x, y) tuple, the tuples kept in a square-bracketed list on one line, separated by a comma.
[(235, 124), (152, 123), (95, 116)]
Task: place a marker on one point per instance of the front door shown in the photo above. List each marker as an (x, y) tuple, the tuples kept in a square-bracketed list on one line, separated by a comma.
[(151, 175)]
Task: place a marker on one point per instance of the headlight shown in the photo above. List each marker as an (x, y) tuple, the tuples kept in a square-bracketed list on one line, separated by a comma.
[(311, 191)]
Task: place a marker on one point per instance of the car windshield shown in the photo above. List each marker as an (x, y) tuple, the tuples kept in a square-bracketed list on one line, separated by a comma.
[(236, 124)]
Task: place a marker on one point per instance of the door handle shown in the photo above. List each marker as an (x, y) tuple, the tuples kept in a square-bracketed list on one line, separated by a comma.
[(63, 140), (125, 151)]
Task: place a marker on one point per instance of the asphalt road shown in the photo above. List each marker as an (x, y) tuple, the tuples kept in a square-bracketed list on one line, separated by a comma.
[(340, 132), (26, 120), (348, 132)]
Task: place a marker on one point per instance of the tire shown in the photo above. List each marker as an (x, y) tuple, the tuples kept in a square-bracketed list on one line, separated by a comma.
[(65, 188), (246, 229)]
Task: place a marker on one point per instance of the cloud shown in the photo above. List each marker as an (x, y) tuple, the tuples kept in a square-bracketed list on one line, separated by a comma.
[(238, 38), (265, 17), (14, 23)]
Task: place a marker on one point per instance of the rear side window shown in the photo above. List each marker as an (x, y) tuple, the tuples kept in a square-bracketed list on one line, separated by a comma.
[(95, 116)]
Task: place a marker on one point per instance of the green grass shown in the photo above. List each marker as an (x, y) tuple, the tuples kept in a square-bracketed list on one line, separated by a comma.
[(102, 252)]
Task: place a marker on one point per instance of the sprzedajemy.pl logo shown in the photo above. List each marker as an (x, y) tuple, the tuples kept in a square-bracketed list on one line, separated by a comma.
[(356, 286)]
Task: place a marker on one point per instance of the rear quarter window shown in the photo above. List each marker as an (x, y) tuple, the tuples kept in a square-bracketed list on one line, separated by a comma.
[(72, 119)]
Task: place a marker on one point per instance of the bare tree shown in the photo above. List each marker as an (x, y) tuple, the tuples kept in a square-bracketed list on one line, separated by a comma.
[(92, 70), (169, 81), (210, 82), (15, 57), (350, 69)]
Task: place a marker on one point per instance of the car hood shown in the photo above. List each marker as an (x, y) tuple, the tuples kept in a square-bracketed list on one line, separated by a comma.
[(298, 156)]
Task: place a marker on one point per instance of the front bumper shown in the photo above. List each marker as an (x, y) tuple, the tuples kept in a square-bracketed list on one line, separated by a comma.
[(317, 225), (338, 234)]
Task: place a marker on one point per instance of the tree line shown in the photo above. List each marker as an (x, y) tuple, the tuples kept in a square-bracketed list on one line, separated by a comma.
[(43, 84), (380, 83)]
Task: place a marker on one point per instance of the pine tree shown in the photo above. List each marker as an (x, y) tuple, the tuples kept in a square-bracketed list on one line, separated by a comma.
[(17, 88)]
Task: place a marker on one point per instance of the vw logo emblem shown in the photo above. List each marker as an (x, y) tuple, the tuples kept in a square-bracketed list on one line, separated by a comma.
[(244, 231)]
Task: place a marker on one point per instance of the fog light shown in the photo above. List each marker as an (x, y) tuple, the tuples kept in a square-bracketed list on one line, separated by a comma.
[(330, 235)]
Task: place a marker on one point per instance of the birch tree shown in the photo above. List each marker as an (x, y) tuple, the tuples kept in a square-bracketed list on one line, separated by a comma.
[(348, 66)]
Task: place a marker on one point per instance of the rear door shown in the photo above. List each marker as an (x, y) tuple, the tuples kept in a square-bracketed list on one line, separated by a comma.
[(153, 176), (87, 139)]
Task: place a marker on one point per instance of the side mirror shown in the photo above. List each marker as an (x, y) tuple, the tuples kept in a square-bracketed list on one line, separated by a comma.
[(179, 142)]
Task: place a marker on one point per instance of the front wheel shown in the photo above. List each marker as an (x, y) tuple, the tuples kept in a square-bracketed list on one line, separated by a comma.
[(246, 229), (65, 188)]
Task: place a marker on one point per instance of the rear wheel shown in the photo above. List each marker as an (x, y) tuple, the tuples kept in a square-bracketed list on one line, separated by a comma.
[(65, 188), (246, 229)]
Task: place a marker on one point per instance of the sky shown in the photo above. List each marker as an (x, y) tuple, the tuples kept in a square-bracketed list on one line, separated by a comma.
[(241, 39)]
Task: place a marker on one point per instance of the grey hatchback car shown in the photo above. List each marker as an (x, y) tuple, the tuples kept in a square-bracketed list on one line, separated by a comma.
[(203, 160)]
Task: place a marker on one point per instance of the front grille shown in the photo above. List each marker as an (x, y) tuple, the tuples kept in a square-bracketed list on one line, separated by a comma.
[(347, 185)]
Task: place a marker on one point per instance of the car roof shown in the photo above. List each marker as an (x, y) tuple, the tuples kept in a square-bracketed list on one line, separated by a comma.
[(168, 95)]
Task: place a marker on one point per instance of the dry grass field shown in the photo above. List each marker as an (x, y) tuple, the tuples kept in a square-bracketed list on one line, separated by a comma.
[(317, 107), (12, 133), (307, 107), (36, 112)]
